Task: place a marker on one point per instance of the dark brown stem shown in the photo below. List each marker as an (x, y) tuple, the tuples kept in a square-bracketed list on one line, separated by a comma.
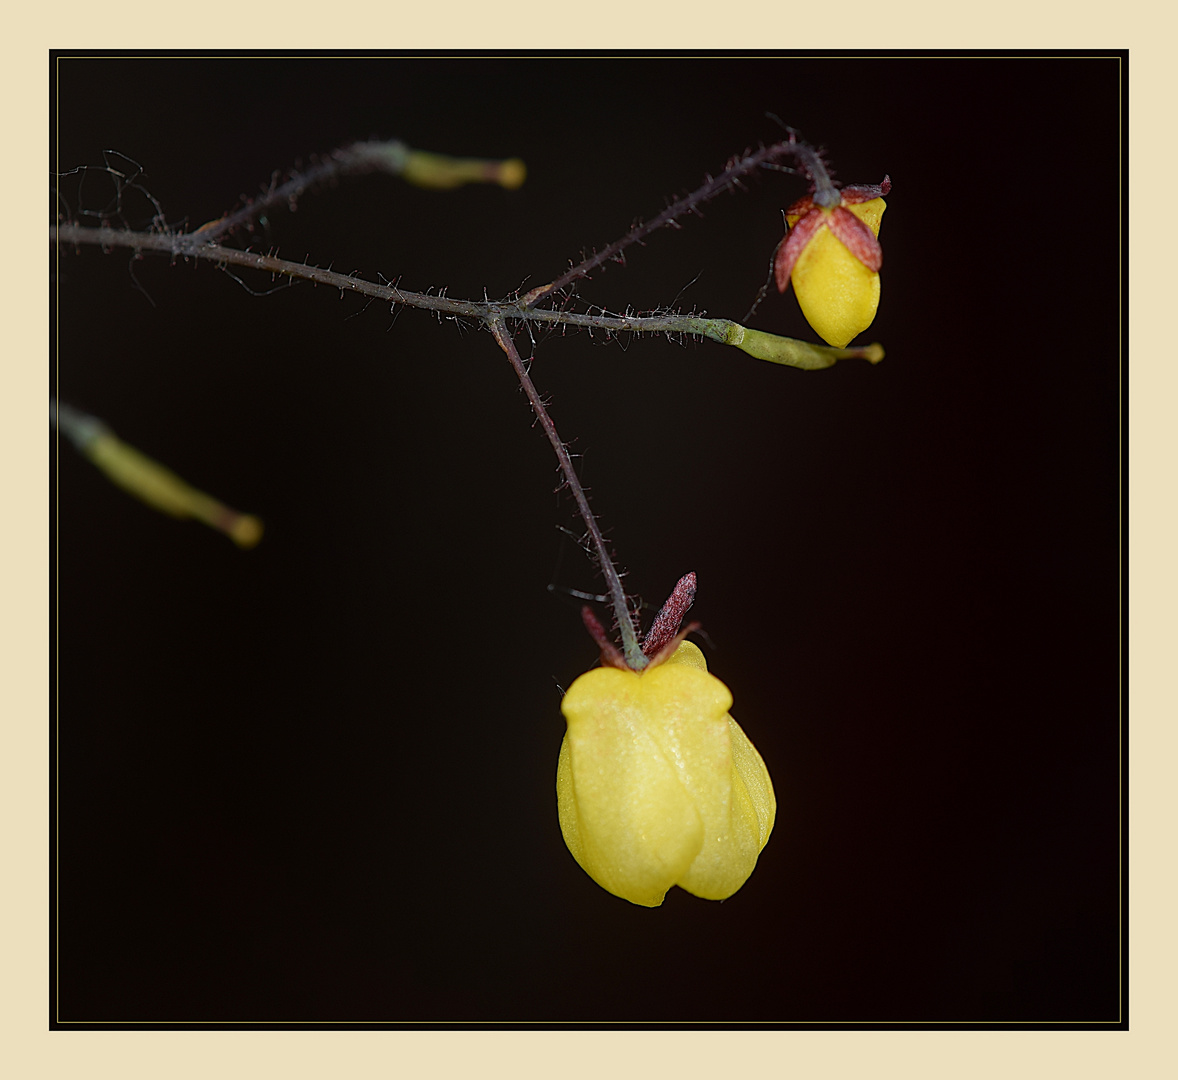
[(198, 246), (792, 148), (630, 647), (763, 346), (362, 157), (284, 195)]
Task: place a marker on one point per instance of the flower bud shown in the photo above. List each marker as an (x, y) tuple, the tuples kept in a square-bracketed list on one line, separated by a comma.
[(832, 256), (657, 785)]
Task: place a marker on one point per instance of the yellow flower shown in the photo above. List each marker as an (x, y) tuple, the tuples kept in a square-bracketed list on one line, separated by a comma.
[(832, 255), (657, 785)]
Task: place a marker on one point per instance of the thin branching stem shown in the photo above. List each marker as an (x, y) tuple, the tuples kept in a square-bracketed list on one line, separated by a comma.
[(793, 148), (389, 156), (349, 159), (631, 649), (780, 350), (500, 316), (433, 171)]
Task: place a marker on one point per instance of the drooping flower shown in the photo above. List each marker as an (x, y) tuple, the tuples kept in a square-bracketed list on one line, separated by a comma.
[(657, 785), (832, 255)]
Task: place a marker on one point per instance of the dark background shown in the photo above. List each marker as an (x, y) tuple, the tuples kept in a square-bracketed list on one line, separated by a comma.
[(315, 781)]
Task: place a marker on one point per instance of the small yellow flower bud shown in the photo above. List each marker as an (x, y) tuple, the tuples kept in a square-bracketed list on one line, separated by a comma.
[(832, 256), (657, 785), (838, 294)]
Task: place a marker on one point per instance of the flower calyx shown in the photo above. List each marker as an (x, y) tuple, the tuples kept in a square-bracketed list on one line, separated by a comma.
[(663, 637)]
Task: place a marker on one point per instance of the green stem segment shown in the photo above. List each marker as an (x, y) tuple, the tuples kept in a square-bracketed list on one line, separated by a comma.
[(783, 350)]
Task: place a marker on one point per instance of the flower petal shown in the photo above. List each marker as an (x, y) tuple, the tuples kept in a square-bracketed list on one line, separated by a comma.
[(657, 785), (627, 816), (737, 825), (836, 292)]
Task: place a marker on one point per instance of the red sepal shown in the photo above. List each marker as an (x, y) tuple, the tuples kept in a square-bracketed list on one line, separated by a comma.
[(791, 247), (801, 208), (667, 621), (856, 236), (610, 655), (858, 193), (668, 650)]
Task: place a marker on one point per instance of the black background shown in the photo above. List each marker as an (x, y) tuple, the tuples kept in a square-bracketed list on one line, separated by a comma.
[(315, 781)]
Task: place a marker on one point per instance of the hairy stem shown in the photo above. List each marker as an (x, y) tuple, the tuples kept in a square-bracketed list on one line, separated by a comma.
[(778, 350), (768, 155), (631, 650), (392, 156)]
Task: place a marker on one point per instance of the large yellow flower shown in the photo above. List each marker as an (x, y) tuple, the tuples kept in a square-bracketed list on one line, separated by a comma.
[(833, 257), (657, 785)]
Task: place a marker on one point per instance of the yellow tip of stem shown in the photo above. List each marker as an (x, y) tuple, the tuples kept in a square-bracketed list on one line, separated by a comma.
[(512, 173), (439, 171), (246, 531), (794, 353), (162, 489)]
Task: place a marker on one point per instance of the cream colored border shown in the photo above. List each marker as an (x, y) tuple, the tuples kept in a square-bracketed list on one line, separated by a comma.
[(29, 1050)]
